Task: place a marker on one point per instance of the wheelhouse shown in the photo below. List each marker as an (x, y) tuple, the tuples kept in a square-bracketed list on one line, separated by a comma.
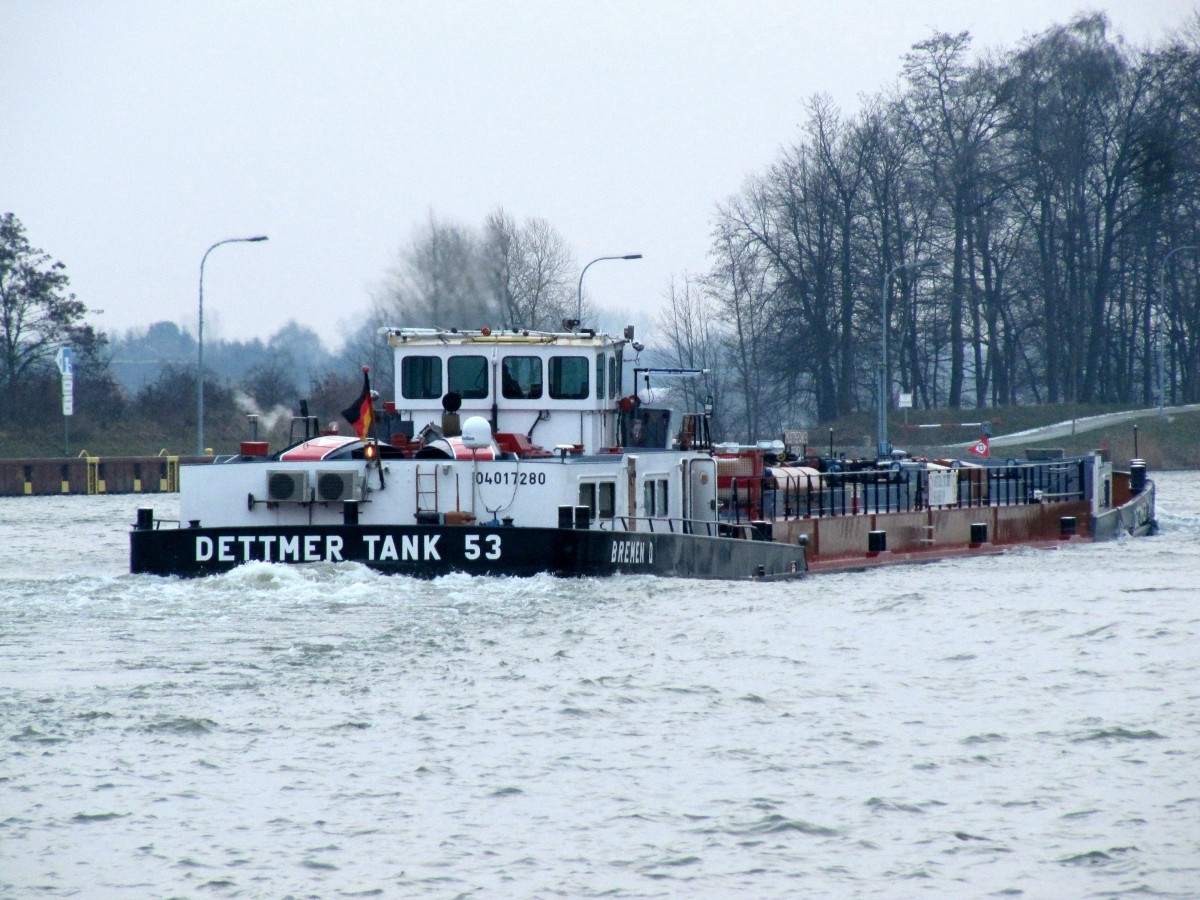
[(554, 389)]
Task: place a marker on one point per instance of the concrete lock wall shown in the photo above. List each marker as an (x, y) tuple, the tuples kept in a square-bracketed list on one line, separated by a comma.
[(93, 475)]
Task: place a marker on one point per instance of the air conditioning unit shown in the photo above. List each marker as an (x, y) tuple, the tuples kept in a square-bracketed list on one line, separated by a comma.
[(287, 487), (336, 486)]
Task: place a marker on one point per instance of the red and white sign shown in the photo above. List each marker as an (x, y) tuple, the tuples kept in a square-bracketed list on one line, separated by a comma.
[(980, 448)]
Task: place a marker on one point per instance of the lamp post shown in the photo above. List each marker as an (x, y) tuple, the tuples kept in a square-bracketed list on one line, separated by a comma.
[(1158, 343), (883, 448), (200, 339), (579, 296)]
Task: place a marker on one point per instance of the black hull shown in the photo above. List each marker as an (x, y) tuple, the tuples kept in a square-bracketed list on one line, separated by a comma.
[(1135, 517), (427, 551)]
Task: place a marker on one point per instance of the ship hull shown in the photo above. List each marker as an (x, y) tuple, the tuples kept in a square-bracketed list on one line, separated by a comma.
[(428, 551)]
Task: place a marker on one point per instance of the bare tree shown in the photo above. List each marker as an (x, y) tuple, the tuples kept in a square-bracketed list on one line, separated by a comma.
[(528, 270), (841, 152), (690, 336), (952, 110), (1078, 115), (438, 281), (743, 286), (505, 274)]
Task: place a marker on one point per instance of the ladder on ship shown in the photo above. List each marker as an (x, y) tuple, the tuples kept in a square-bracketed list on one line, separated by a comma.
[(427, 490)]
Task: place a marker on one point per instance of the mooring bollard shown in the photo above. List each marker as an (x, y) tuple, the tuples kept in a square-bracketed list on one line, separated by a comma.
[(1137, 476), (876, 541)]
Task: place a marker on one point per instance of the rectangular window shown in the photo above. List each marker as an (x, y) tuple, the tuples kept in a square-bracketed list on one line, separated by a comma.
[(614, 383), (600, 377), (654, 497), (568, 377), (421, 377), (599, 497), (522, 377), (468, 376), (606, 506)]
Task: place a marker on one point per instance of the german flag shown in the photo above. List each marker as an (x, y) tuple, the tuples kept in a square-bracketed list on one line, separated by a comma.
[(359, 414)]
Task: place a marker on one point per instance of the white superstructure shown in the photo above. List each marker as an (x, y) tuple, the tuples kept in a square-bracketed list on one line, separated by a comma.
[(507, 427)]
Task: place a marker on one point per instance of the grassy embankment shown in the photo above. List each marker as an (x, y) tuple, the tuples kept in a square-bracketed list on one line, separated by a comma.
[(1172, 442), (137, 438)]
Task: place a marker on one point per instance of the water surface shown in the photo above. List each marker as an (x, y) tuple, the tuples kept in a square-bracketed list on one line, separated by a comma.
[(1016, 725)]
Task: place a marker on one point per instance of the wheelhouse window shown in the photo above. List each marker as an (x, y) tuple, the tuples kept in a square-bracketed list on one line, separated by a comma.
[(468, 376), (568, 377), (614, 383), (600, 377), (521, 377), (421, 377)]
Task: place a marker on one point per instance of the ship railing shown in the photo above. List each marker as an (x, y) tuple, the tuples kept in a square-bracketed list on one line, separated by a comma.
[(900, 488), (679, 525)]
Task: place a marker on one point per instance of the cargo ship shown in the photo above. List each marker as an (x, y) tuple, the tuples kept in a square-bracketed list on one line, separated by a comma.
[(524, 452)]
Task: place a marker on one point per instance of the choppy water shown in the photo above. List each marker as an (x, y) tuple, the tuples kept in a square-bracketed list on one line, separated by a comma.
[(1023, 725)]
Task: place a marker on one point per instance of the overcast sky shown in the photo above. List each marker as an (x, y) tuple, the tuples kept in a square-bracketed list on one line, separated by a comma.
[(136, 134)]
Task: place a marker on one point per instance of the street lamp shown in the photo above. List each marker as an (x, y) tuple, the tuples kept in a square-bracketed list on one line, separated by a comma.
[(883, 447), (579, 302), (1162, 272), (200, 339)]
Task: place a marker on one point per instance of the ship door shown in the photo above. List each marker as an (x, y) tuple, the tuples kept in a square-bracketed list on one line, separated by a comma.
[(701, 505)]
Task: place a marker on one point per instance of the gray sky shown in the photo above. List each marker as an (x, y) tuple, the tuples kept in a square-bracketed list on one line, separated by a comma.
[(136, 134)]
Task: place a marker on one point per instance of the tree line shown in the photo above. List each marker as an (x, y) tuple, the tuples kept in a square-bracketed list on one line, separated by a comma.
[(1021, 227), (143, 382), (140, 386), (1013, 228)]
